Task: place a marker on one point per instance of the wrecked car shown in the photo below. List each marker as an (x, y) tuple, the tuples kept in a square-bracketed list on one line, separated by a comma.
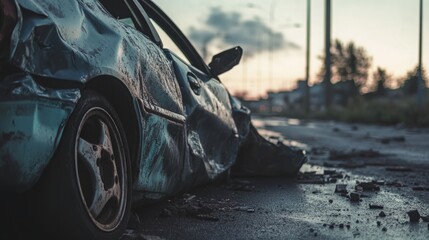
[(95, 114)]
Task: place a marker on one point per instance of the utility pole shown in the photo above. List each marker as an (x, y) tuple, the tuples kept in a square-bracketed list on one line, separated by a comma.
[(421, 83), (307, 62), (270, 52), (327, 80)]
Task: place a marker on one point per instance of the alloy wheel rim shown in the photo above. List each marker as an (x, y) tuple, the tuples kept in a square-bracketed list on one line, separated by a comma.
[(101, 169)]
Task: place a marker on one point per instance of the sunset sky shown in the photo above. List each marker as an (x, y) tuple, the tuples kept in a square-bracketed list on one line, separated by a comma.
[(387, 29)]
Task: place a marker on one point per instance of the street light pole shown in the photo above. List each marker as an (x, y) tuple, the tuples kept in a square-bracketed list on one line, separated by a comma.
[(421, 84), (327, 80), (270, 52), (307, 62)]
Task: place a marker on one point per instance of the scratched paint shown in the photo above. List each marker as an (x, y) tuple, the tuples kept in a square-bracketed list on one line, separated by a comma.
[(160, 150)]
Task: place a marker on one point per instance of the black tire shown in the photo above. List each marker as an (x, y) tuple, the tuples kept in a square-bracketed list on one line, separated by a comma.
[(85, 193)]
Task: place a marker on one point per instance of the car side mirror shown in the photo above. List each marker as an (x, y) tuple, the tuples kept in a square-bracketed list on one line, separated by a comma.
[(226, 60)]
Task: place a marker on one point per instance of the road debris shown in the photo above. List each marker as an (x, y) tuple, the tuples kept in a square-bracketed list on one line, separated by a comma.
[(341, 188), (355, 197), (191, 206), (311, 178), (425, 219), (414, 215), (382, 214), (384, 229), (375, 206), (378, 182), (367, 186)]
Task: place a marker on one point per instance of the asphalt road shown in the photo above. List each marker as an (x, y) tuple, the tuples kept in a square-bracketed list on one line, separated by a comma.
[(396, 158)]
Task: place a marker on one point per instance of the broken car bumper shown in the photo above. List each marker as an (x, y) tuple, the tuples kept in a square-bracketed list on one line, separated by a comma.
[(31, 124)]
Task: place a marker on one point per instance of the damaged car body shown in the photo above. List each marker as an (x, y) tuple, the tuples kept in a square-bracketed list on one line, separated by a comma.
[(96, 113)]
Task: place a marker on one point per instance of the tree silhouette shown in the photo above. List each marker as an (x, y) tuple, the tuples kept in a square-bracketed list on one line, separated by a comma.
[(381, 79), (410, 82), (349, 63)]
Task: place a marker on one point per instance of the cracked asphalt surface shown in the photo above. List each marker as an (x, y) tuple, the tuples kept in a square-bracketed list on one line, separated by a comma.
[(278, 208)]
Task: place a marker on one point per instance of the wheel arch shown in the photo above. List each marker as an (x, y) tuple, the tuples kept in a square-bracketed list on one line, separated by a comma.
[(121, 99)]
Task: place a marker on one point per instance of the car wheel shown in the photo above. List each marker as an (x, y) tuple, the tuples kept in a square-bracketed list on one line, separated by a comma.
[(85, 193)]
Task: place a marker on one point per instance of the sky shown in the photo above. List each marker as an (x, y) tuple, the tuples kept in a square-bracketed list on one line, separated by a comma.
[(387, 29)]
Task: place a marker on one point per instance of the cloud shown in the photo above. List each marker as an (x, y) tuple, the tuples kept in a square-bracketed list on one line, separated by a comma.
[(201, 36), (230, 29)]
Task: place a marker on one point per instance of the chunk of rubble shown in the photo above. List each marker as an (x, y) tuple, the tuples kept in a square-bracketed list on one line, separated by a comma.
[(425, 219), (414, 215), (376, 206), (382, 214), (341, 188), (355, 197), (378, 182), (367, 186), (311, 178)]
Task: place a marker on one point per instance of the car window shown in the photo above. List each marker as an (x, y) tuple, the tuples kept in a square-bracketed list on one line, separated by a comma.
[(118, 10), (169, 44)]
